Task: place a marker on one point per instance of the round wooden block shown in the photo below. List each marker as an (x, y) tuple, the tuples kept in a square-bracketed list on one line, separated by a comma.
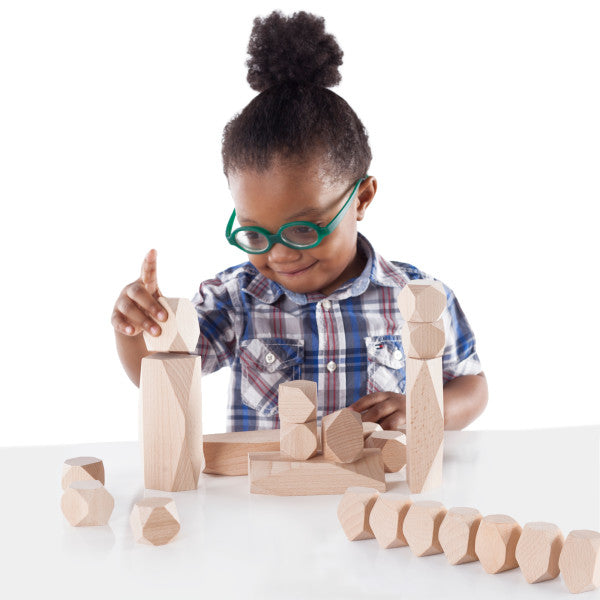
[(298, 440), (424, 340), (538, 550), (496, 543), (387, 519), (422, 300), (82, 468), (354, 510), (393, 448), (87, 503), (579, 561), (342, 436), (457, 534), (154, 521), (421, 527)]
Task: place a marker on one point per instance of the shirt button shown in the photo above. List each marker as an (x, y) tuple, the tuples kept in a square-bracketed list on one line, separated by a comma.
[(270, 358), (326, 304), (397, 354), (331, 366)]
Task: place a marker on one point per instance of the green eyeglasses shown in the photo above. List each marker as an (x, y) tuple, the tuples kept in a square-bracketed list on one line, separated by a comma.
[(297, 234)]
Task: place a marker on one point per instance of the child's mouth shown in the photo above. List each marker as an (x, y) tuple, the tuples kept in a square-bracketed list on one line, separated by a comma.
[(296, 273)]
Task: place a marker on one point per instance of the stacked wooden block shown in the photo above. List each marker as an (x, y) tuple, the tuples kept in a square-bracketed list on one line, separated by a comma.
[(421, 303)]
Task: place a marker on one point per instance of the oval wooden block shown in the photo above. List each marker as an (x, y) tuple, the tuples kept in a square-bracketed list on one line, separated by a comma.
[(342, 436), (457, 534), (538, 550), (579, 561), (354, 510), (393, 448), (422, 525), (87, 503), (496, 543), (422, 300), (299, 440), (154, 521), (181, 330), (82, 468), (387, 519), (424, 340)]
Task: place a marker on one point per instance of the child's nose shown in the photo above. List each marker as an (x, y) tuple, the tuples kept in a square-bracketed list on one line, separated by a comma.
[(279, 253)]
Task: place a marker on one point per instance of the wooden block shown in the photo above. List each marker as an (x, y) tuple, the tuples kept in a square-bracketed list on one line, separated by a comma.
[(154, 521), (424, 424), (496, 542), (297, 401), (457, 534), (424, 340), (579, 561), (87, 503), (387, 519), (273, 473), (538, 550), (369, 428), (354, 510), (181, 330), (82, 468), (227, 453), (422, 300), (299, 440), (171, 421), (342, 436), (393, 448), (421, 527)]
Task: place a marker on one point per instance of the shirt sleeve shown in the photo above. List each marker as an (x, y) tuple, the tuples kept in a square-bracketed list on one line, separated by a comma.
[(217, 341)]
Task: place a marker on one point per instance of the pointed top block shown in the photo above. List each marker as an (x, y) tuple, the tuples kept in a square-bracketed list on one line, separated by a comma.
[(181, 330), (82, 468), (298, 401), (422, 300)]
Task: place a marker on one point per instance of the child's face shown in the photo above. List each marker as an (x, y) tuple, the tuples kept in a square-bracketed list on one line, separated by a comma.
[(302, 193)]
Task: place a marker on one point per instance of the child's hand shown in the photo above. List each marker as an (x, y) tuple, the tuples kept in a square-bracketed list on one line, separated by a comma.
[(386, 408), (137, 307)]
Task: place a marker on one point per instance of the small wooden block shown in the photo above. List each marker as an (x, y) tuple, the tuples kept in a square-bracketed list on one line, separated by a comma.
[(227, 453), (387, 519), (579, 561), (274, 473), (154, 521), (299, 440), (181, 330), (354, 510), (297, 401), (421, 527), (87, 503), (393, 448), (496, 543), (82, 468), (369, 428), (457, 534), (538, 550), (422, 300), (424, 340), (342, 436)]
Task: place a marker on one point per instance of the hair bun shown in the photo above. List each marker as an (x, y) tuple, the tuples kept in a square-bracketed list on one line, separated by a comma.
[(295, 49)]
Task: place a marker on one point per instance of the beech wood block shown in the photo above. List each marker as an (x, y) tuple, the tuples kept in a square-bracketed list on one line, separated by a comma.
[(279, 475), (297, 401), (422, 300), (369, 428), (354, 510), (387, 519), (87, 503), (496, 543), (171, 421), (424, 424), (393, 448), (423, 340), (421, 527), (181, 330), (579, 561), (457, 534), (538, 550), (342, 436), (82, 468), (299, 440), (154, 521), (227, 453)]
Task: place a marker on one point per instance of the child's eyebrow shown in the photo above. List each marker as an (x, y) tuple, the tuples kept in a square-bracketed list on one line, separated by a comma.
[(306, 212)]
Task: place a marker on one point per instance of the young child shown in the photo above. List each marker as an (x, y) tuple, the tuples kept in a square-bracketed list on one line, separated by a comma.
[(314, 300)]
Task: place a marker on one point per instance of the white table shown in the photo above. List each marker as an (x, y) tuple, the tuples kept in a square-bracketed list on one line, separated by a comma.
[(239, 545)]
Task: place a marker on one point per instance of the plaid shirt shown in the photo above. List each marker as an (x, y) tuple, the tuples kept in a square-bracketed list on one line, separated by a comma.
[(348, 342)]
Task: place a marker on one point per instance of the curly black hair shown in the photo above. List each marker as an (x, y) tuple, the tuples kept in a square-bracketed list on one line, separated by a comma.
[(295, 118)]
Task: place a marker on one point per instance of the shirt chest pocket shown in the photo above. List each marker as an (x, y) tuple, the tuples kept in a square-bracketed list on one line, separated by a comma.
[(385, 364), (265, 363)]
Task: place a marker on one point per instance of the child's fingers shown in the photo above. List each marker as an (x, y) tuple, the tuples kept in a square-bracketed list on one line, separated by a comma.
[(368, 401), (138, 292), (122, 325), (394, 421), (148, 276), (380, 410), (136, 317)]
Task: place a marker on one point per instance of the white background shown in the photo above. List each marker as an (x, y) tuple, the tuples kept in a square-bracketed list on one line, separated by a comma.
[(485, 130)]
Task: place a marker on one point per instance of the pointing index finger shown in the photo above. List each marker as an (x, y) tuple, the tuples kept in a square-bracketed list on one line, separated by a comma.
[(149, 278)]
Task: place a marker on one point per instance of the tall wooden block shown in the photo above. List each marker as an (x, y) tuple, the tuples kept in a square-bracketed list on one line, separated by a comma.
[(538, 550), (387, 519), (422, 300), (171, 421), (422, 525), (297, 401), (342, 436), (496, 543), (579, 561), (423, 340), (154, 521), (299, 440), (354, 510), (82, 468), (181, 330), (457, 534), (87, 503), (393, 448), (424, 424)]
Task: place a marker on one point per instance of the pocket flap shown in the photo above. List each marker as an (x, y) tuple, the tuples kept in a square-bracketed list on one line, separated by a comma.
[(272, 354), (386, 350)]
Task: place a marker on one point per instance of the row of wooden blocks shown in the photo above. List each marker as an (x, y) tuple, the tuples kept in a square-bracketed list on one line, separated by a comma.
[(497, 541), (86, 502)]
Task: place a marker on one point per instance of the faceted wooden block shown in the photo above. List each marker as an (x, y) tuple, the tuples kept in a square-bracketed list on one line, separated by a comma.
[(421, 527), (538, 550), (297, 401), (424, 340), (342, 436), (181, 330), (369, 428), (422, 300), (82, 468), (354, 510), (387, 519), (457, 534), (299, 440), (154, 521), (87, 503), (393, 448), (171, 421), (579, 561), (496, 542)]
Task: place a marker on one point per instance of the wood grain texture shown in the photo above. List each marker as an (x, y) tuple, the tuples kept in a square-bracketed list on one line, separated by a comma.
[(496, 543), (353, 512), (457, 534), (421, 527), (393, 448), (299, 440), (387, 519), (423, 340), (154, 521), (579, 561), (369, 428), (181, 330), (342, 438), (297, 401), (422, 300), (538, 550), (87, 503), (82, 468)]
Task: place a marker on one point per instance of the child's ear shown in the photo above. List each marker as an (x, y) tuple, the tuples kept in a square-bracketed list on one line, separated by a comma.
[(366, 193)]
